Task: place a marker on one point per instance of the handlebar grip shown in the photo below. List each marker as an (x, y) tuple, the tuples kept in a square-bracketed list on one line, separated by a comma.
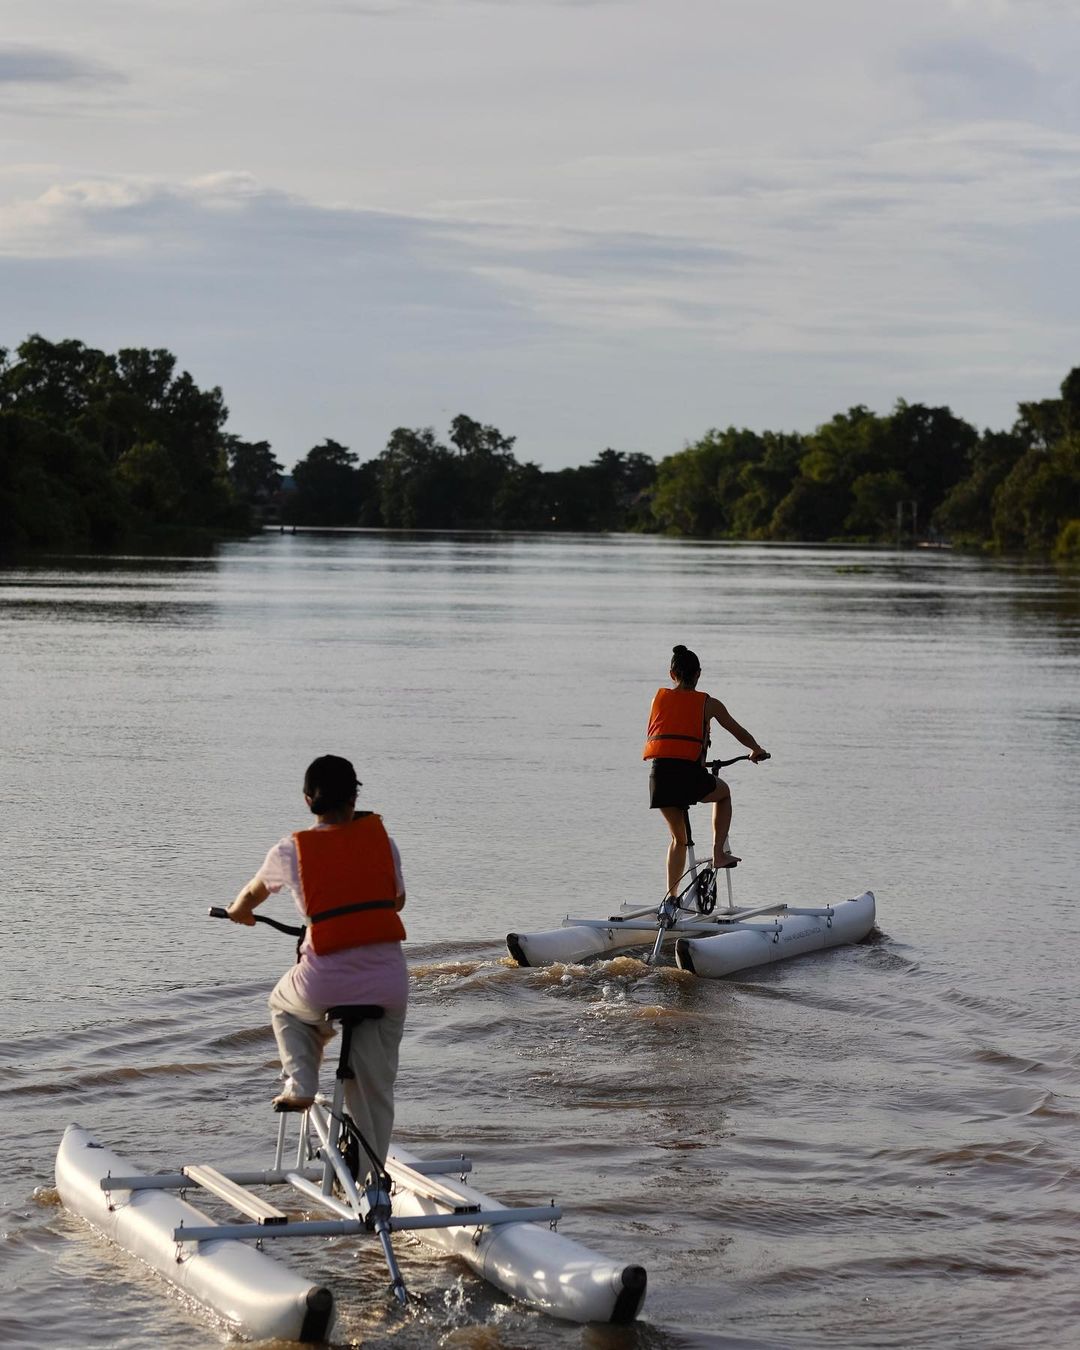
[(216, 912), (713, 764)]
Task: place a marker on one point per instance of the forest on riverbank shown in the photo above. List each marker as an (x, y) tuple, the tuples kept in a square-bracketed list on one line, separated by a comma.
[(99, 449)]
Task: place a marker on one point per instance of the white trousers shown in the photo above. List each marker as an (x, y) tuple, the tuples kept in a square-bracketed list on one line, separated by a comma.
[(302, 1033)]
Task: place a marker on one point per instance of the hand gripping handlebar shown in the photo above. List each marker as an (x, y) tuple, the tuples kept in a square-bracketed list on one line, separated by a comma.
[(216, 912)]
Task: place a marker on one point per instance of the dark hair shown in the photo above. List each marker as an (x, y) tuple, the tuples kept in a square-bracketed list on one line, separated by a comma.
[(330, 783), (684, 664)]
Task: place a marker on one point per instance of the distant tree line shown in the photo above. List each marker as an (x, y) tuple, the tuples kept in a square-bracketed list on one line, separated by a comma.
[(96, 448), (473, 482), (916, 471), (99, 448)]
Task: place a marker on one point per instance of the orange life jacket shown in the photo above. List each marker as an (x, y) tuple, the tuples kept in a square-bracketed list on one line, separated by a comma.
[(348, 884), (678, 726)]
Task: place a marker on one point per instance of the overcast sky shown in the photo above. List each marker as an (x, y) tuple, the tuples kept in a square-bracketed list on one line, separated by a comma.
[(591, 222)]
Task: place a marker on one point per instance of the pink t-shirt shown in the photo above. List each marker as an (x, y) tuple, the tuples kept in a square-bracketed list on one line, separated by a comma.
[(374, 973)]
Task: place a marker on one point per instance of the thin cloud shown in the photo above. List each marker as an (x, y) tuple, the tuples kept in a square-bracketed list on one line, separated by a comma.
[(966, 79), (1004, 9), (651, 209), (893, 242), (193, 218), (382, 9), (42, 65)]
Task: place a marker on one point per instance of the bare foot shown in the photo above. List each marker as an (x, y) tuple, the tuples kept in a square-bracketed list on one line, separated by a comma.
[(720, 859)]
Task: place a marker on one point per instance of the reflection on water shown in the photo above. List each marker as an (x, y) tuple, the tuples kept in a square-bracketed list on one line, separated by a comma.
[(868, 1146)]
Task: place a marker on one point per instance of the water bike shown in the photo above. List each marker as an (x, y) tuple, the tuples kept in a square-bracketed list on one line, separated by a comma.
[(330, 1168), (709, 940)]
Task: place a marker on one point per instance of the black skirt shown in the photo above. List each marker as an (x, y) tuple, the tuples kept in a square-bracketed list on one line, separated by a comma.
[(678, 782)]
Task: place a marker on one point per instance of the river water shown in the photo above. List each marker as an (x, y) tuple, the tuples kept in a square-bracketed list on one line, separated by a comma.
[(874, 1146)]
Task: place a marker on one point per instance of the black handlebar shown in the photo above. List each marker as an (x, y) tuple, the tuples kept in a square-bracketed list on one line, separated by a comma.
[(714, 764), (216, 912)]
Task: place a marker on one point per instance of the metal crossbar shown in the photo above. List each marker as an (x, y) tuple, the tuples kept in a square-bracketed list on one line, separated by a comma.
[(696, 926), (481, 1218), (177, 1181), (721, 921)]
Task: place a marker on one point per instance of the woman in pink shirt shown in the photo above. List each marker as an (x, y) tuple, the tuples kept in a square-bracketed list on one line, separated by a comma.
[(350, 954)]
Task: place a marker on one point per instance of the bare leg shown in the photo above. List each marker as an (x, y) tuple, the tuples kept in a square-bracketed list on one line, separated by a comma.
[(676, 854), (721, 824)]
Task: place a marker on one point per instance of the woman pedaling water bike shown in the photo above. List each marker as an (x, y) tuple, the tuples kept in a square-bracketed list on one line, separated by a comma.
[(345, 875), (676, 743)]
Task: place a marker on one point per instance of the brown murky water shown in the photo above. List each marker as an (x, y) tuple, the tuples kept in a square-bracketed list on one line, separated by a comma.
[(875, 1146)]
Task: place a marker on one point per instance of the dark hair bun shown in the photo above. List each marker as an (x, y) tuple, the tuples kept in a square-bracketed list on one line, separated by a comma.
[(330, 783), (684, 664)]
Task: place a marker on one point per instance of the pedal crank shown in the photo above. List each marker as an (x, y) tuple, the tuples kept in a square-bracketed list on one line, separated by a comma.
[(704, 890)]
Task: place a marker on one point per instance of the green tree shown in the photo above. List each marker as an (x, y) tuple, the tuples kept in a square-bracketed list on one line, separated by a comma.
[(151, 483), (857, 466), (811, 510), (1039, 497), (473, 438), (610, 493), (327, 487), (118, 402), (194, 421), (571, 495), (1070, 402), (697, 491), (966, 513), (1067, 547), (485, 459), (367, 481), (523, 499), (621, 488), (873, 503), (763, 484), (254, 473), (55, 381), (420, 482), (819, 500), (56, 491), (930, 448), (1040, 424)]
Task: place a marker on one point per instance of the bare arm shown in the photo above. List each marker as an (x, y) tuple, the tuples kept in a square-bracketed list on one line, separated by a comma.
[(250, 898), (719, 713), (399, 899)]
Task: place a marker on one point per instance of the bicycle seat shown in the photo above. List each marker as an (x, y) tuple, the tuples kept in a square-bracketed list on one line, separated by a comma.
[(349, 1014)]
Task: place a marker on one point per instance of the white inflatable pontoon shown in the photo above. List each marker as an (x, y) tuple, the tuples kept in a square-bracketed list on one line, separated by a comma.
[(708, 940), (514, 1248), (528, 1261), (713, 945), (251, 1291), (793, 932)]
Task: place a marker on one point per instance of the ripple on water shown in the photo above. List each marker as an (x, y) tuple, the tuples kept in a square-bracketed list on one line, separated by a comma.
[(121, 1078), (241, 1039)]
